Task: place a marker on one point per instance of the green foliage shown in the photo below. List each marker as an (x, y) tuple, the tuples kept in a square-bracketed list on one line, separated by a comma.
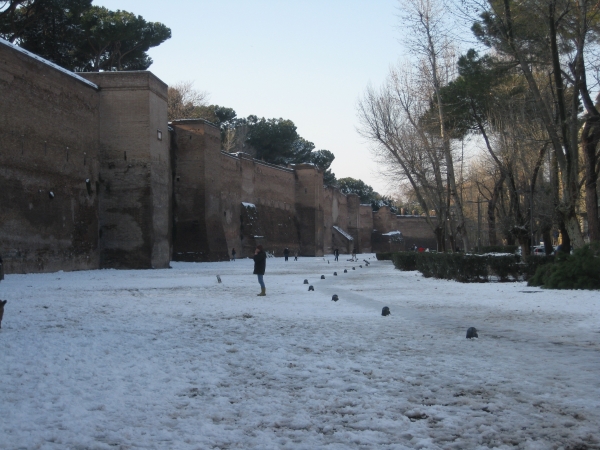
[(382, 200), (506, 268), (219, 115), (581, 270), (499, 249), (350, 185), (276, 141), (51, 29), (405, 261), (459, 267), (117, 40), (81, 37), (387, 256), (452, 266), (532, 263), (323, 159)]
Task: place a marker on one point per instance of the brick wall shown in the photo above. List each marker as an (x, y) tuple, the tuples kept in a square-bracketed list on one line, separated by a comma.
[(198, 233), (135, 171), (48, 166)]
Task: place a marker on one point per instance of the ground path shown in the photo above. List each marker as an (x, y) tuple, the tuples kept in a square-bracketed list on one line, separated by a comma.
[(172, 359)]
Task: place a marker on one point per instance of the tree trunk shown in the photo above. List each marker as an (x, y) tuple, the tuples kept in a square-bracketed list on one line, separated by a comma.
[(590, 139), (492, 210), (439, 237), (547, 237), (565, 240)]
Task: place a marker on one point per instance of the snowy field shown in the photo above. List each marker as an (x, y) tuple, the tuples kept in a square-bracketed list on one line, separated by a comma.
[(171, 359)]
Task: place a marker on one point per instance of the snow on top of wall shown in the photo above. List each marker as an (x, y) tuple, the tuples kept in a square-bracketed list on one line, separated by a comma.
[(346, 235), (249, 205), (48, 63), (392, 233)]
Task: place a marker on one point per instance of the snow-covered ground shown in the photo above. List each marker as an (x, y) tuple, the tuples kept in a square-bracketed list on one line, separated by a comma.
[(171, 359)]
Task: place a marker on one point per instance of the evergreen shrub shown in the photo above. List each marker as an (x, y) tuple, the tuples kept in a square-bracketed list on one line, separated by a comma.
[(453, 266), (405, 260), (387, 256), (499, 249), (581, 270), (505, 267), (469, 268), (531, 263)]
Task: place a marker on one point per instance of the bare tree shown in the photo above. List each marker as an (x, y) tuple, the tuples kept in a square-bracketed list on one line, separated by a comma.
[(430, 42), (183, 100), (554, 37), (391, 120)]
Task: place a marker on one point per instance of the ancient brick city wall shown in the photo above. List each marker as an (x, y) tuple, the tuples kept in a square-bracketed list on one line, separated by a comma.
[(416, 231), (197, 229), (365, 228), (310, 209), (135, 170), (335, 214), (84, 167), (91, 176), (48, 166), (224, 201), (258, 203)]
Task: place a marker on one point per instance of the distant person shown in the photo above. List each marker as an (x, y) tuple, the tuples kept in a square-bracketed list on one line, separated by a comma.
[(296, 255), (354, 254), (336, 253), (421, 250), (260, 263), (286, 253), (233, 254)]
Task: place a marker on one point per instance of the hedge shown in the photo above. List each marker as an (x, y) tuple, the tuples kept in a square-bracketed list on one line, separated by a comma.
[(499, 249), (387, 256), (466, 268)]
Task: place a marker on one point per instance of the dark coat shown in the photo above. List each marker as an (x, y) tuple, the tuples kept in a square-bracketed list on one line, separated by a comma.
[(260, 263)]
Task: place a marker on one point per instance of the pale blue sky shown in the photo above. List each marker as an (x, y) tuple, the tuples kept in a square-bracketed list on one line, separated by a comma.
[(304, 60)]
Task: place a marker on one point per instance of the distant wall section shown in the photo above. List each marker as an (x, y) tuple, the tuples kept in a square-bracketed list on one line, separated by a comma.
[(258, 203)]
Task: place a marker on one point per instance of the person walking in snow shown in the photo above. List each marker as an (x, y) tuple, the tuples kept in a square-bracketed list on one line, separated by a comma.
[(286, 253), (336, 253), (260, 263), (233, 254), (296, 255)]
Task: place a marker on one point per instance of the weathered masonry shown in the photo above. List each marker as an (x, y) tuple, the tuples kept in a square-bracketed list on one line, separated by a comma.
[(85, 174), (93, 176)]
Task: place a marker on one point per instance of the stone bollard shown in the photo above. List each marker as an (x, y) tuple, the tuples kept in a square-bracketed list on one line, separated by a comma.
[(385, 311), (335, 274), (345, 271), (305, 281), (311, 288), (322, 277), (335, 298), (472, 333)]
